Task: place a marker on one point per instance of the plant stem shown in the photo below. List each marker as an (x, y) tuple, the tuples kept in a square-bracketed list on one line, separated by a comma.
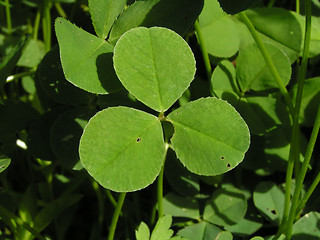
[(46, 22), (204, 52), (115, 216), (97, 190), (160, 186), (304, 168), (301, 78), (111, 198), (36, 25), (298, 6), (269, 62), (19, 75), (8, 14), (60, 10)]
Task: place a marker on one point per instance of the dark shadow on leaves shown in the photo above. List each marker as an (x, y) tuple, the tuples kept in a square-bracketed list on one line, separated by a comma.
[(178, 15), (106, 73), (217, 212)]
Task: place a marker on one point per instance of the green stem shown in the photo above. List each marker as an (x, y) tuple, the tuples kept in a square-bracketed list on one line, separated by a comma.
[(19, 75), (160, 186), (60, 10), (36, 25), (298, 6), (204, 51), (97, 190), (111, 198), (46, 23), (268, 61), (300, 179), (301, 78), (8, 14), (115, 216)]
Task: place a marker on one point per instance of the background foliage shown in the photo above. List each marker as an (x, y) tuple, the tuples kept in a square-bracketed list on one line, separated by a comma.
[(186, 119)]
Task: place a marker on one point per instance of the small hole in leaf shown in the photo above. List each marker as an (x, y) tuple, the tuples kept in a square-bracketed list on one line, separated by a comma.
[(228, 165), (60, 21), (222, 157), (273, 211), (138, 139)]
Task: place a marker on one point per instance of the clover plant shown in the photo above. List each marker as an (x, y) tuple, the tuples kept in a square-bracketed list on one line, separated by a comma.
[(159, 119)]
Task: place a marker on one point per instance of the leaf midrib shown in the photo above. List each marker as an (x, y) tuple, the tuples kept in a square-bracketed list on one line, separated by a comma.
[(128, 145), (155, 70), (203, 134), (86, 58)]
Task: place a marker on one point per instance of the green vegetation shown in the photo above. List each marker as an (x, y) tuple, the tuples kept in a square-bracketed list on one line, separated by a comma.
[(159, 119)]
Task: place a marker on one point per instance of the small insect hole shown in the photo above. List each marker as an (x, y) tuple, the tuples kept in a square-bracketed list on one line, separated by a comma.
[(138, 139), (228, 165), (273, 211), (222, 157)]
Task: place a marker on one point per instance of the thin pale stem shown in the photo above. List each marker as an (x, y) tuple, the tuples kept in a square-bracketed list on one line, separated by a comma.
[(8, 15), (203, 48), (160, 186), (19, 75), (46, 22), (268, 61), (301, 78), (36, 25), (304, 167), (60, 10), (115, 216)]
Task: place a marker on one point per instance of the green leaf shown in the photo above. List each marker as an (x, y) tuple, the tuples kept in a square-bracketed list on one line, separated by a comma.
[(38, 140), (261, 113), (226, 207), (178, 206), (53, 82), (4, 163), (307, 227), (86, 59), (236, 6), (269, 199), (178, 15), (209, 145), (118, 143), (247, 226), (52, 210), (310, 100), (254, 74), (201, 231), (143, 232), (257, 238), (180, 179), (315, 34), (155, 65), (277, 147), (218, 30), (65, 135), (9, 62), (32, 54), (15, 116), (104, 13), (162, 229), (223, 79), (280, 27)]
